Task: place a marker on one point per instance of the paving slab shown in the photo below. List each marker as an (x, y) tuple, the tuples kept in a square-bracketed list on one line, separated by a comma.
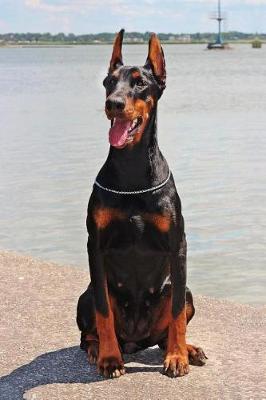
[(40, 357)]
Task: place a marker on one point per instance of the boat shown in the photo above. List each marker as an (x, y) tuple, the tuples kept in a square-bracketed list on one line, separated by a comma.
[(219, 44)]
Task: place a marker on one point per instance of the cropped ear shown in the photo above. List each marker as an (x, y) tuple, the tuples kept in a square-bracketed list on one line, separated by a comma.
[(116, 60), (155, 60)]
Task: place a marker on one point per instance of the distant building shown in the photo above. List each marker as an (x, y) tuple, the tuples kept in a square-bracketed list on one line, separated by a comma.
[(185, 38), (133, 40)]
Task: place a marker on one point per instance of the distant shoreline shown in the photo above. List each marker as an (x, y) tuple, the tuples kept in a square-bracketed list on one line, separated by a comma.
[(106, 38), (70, 45)]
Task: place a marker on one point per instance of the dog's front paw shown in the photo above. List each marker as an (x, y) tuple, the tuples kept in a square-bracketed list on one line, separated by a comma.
[(175, 365), (111, 367)]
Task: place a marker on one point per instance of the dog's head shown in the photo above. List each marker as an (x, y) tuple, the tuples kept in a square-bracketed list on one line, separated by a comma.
[(132, 92)]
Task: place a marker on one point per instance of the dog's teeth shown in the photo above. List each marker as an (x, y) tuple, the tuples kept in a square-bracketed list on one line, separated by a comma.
[(134, 123)]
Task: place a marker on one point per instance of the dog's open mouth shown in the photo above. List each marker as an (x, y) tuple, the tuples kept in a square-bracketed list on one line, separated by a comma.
[(122, 131)]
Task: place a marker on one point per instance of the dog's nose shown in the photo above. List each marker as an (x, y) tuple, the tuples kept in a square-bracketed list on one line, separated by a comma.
[(115, 104)]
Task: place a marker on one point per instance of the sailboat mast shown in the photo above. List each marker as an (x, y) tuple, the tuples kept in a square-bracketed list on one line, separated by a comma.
[(219, 17)]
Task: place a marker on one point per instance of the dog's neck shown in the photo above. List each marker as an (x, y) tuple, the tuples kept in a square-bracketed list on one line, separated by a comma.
[(139, 167)]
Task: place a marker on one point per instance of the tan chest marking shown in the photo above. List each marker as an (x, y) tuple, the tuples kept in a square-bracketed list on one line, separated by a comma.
[(104, 216), (161, 222)]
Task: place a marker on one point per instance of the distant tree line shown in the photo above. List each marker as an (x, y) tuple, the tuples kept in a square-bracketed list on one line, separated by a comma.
[(130, 37)]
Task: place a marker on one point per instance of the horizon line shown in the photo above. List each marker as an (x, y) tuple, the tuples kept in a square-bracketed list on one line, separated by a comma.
[(130, 32)]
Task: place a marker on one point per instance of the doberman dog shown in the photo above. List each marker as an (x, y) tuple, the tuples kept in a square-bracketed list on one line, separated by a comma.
[(136, 242)]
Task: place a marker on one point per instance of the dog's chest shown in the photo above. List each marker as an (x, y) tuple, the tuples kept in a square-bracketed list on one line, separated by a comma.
[(141, 231), (136, 224)]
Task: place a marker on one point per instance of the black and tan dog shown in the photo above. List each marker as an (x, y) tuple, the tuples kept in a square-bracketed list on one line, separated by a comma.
[(137, 247)]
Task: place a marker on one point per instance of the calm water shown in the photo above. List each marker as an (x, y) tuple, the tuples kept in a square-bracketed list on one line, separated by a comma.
[(212, 124)]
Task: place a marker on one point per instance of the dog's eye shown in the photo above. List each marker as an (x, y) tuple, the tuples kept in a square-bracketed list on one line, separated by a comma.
[(140, 83)]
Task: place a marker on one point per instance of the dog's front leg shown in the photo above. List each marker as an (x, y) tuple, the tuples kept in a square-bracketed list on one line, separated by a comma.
[(110, 363), (176, 360)]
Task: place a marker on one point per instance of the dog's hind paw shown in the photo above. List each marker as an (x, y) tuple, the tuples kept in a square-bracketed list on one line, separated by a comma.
[(196, 355), (93, 352), (111, 367)]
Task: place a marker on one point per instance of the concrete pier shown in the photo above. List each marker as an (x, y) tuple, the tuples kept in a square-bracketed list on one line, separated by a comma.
[(40, 357)]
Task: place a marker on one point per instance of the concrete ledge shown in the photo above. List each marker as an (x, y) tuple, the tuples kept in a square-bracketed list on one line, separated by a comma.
[(40, 358)]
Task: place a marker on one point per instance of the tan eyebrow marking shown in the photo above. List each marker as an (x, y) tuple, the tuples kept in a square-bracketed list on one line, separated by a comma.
[(115, 74)]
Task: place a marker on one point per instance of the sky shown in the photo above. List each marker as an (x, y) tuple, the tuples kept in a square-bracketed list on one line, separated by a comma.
[(93, 16)]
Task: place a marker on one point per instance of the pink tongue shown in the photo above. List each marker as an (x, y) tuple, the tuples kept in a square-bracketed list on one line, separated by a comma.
[(118, 132)]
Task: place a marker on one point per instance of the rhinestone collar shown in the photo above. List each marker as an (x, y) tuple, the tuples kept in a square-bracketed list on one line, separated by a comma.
[(134, 191)]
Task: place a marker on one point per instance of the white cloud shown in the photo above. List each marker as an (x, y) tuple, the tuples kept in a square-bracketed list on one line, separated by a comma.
[(126, 8), (255, 2), (230, 2), (41, 5), (169, 15), (70, 5), (61, 21), (3, 25)]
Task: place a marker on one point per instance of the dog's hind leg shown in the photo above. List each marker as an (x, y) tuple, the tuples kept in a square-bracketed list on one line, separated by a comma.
[(86, 320), (190, 309), (195, 354)]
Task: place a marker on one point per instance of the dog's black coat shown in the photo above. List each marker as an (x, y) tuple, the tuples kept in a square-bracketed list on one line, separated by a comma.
[(141, 254)]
